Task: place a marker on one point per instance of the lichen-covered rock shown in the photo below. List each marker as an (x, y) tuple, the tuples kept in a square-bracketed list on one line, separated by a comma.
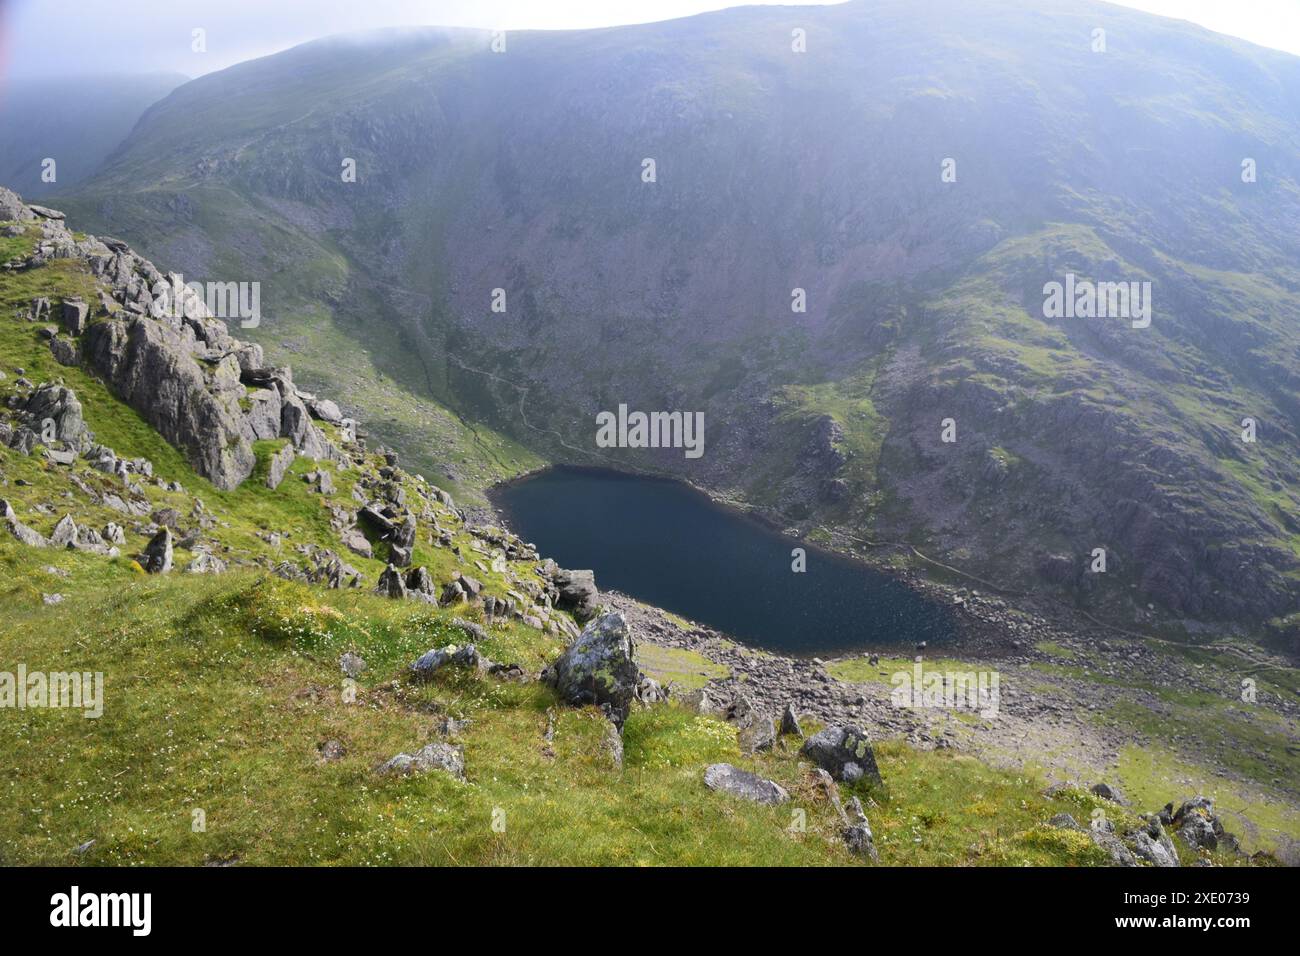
[(844, 753), (1199, 827), (790, 722), (436, 756), (64, 534), (263, 413), (741, 783), (599, 668), (758, 733), (1153, 845), (205, 562), (352, 664), (24, 534), (357, 543), (1118, 853), (74, 315)]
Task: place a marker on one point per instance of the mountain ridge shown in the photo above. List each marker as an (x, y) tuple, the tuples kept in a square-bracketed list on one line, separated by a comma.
[(820, 171)]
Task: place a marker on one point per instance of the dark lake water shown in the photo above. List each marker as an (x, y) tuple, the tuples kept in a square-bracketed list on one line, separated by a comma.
[(666, 544)]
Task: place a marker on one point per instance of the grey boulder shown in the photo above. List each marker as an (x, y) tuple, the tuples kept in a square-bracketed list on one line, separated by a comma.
[(844, 753), (743, 784), (599, 668)]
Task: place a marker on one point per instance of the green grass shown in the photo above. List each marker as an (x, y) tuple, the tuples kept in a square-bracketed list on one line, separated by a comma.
[(1052, 649), (220, 690), (687, 669)]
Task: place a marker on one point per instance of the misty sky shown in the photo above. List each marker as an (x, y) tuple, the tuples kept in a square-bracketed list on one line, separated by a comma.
[(39, 37)]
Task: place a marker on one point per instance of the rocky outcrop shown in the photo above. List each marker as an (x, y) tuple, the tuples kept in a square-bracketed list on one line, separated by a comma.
[(24, 534), (59, 406), (148, 365), (166, 356), (279, 466), (1198, 826)]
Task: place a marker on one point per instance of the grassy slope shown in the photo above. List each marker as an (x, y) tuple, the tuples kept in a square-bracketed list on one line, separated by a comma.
[(220, 690)]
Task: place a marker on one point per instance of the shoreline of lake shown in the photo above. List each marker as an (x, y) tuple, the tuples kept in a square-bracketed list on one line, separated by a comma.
[(850, 596)]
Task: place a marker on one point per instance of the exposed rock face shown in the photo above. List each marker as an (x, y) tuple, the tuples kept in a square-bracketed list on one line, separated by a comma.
[(149, 366), (171, 360), (844, 753), (75, 312), (1116, 851), (599, 668), (1153, 845), (391, 584), (743, 784)]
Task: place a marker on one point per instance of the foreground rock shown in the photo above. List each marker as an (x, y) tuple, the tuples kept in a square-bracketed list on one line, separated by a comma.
[(1197, 825), (857, 832), (448, 758), (599, 668), (157, 556), (743, 784), (844, 753)]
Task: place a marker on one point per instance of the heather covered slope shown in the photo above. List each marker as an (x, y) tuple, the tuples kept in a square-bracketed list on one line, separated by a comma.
[(820, 171)]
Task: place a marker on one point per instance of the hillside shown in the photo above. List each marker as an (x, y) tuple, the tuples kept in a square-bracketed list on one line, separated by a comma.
[(276, 635), (776, 171)]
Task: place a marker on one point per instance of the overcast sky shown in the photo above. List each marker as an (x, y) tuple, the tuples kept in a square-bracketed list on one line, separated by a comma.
[(38, 37)]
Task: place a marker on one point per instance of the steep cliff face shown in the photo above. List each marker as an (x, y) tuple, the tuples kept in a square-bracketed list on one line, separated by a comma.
[(920, 173), (157, 346)]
